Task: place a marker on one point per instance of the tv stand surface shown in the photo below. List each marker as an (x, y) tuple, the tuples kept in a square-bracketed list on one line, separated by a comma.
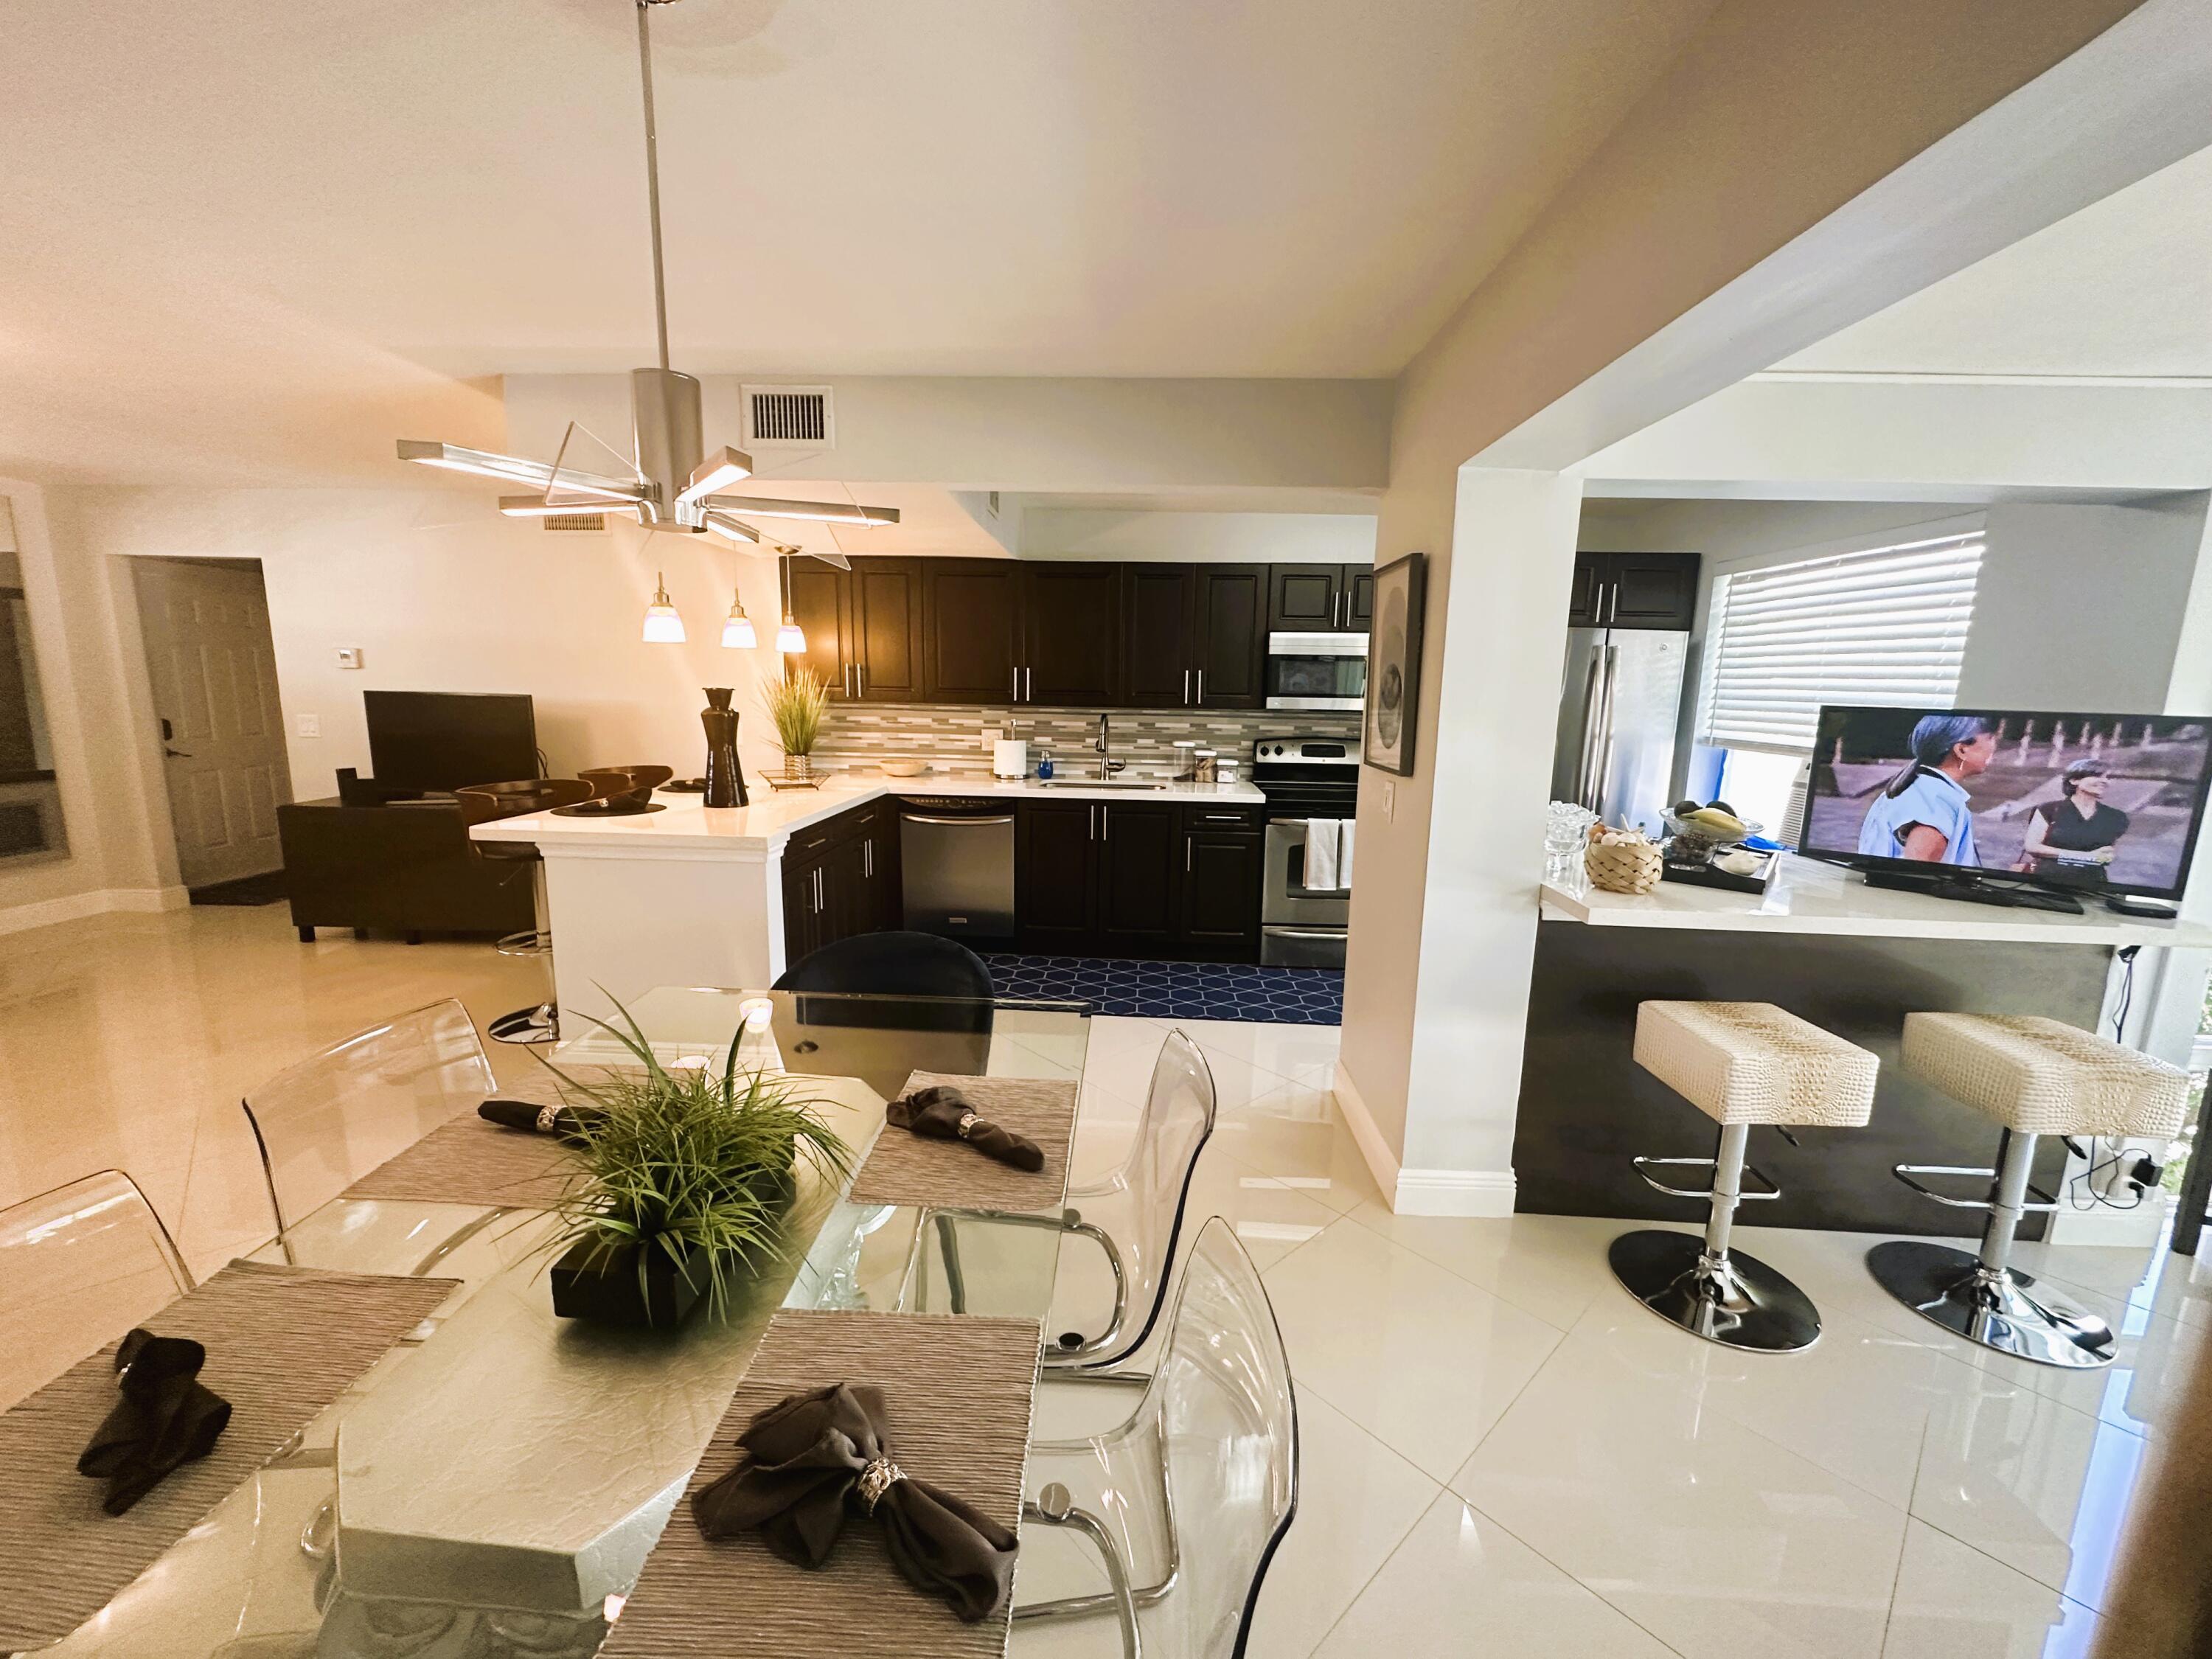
[(1975, 891)]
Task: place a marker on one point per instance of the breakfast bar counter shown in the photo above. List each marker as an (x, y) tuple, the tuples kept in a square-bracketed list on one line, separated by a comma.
[(1852, 959)]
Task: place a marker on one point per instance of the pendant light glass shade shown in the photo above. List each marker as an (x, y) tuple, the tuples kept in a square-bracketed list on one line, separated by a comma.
[(737, 631), (662, 625), (788, 638)]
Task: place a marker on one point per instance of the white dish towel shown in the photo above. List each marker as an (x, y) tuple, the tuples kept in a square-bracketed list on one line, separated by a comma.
[(1323, 841), (1347, 831)]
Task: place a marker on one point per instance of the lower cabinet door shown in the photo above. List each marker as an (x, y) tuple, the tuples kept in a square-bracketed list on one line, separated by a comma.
[(1054, 846), (1138, 867), (804, 910), (1219, 919)]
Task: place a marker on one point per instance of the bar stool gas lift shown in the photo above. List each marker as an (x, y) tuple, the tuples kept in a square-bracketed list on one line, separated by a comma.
[(1745, 1064)]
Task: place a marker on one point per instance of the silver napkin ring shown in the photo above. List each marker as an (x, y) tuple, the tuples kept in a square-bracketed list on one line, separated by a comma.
[(968, 1120), (546, 1117), (876, 1480)]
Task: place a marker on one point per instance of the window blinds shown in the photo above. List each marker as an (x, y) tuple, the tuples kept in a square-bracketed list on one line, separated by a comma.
[(1885, 626)]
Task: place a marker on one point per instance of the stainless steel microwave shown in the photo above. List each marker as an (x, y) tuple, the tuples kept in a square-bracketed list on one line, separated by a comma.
[(1317, 671)]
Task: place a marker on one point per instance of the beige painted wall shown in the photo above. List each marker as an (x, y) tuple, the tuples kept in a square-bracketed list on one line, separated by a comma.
[(114, 862)]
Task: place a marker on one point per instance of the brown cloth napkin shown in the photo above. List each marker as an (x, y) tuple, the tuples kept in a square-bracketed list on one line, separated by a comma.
[(814, 1458), (943, 1113), (165, 1418), (571, 1125)]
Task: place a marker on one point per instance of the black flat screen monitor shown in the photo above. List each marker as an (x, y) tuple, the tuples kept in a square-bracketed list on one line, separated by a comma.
[(440, 741), (2101, 804)]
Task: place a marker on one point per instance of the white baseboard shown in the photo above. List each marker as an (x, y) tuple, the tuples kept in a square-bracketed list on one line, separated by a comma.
[(1419, 1191), (77, 907)]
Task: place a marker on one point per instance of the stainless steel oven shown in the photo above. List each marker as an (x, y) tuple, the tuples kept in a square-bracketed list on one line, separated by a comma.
[(1317, 671), (1302, 925)]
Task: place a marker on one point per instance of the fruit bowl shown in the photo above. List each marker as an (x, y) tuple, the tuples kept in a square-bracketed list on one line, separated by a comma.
[(1691, 838)]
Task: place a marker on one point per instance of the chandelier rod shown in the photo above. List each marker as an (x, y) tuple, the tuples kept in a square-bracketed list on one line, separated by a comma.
[(653, 178)]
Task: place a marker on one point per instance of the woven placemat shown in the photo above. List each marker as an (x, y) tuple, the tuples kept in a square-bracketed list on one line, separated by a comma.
[(469, 1161), (283, 1343), (903, 1168), (958, 1391)]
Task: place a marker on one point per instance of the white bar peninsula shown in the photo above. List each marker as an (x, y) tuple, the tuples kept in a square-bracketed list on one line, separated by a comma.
[(1852, 958), (693, 895)]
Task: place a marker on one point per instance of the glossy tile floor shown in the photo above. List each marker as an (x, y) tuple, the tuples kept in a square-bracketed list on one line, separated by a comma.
[(1503, 1454)]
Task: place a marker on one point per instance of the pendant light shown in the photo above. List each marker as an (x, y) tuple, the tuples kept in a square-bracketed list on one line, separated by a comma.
[(789, 640), (737, 631), (662, 624)]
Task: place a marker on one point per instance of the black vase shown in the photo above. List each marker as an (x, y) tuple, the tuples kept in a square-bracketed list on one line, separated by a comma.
[(593, 1282), (726, 779)]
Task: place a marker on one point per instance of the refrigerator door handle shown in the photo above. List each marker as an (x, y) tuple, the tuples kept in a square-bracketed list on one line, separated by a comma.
[(1587, 738), (1605, 728)]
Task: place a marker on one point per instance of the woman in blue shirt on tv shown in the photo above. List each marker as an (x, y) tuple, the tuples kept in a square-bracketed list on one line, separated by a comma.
[(1924, 812)]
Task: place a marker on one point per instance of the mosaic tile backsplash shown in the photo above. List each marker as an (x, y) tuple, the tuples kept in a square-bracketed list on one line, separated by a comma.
[(855, 737)]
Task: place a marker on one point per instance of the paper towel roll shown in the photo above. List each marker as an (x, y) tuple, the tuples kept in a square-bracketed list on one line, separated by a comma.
[(1010, 758)]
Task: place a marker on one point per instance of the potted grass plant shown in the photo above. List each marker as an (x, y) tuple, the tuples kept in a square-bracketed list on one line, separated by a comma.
[(688, 1174), (795, 704)]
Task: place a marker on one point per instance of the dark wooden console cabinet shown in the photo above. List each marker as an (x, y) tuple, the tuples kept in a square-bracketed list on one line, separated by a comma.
[(401, 869)]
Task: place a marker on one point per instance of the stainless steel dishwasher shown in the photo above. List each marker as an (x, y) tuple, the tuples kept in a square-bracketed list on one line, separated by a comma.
[(957, 864)]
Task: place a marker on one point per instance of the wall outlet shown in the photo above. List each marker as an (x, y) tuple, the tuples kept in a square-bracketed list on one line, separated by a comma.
[(308, 726), (349, 656), (991, 734), (1389, 798)]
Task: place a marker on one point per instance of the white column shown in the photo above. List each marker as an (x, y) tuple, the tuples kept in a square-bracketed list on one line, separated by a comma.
[(1444, 911)]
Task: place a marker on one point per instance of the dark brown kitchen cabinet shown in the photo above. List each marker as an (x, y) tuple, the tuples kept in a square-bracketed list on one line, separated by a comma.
[(1055, 902), (970, 629), (1320, 598), (840, 877), (883, 633), (1071, 634), (1196, 635), (1137, 871), (1218, 917), (817, 594), (1634, 590)]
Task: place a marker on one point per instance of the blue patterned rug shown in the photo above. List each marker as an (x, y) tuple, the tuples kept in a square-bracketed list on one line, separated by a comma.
[(1177, 990)]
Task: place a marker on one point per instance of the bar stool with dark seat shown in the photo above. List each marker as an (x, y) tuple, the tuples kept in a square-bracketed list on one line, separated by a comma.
[(2033, 1076), (482, 804), (607, 780), (1744, 1064)]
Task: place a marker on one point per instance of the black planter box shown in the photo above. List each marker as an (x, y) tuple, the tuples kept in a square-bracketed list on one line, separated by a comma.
[(592, 1282)]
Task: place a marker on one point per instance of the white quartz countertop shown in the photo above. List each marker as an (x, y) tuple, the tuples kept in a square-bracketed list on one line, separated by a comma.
[(775, 815), (1810, 897)]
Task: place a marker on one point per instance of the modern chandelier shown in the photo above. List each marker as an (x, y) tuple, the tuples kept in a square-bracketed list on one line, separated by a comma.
[(671, 483)]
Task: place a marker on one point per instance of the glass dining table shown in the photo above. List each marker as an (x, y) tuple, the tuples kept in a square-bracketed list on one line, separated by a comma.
[(493, 1485)]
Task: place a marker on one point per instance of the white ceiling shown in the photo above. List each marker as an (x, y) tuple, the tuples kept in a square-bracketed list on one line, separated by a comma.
[(247, 239), (2123, 289)]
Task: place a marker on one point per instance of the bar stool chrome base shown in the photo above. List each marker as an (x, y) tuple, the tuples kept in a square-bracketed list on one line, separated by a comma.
[(539, 1023), (1734, 1300), (2006, 1311)]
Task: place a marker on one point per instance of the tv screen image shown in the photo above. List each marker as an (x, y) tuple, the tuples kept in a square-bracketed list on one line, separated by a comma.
[(2094, 803), (436, 742)]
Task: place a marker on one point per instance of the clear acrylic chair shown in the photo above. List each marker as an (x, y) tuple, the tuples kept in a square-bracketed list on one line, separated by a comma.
[(1165, 1523), (324, 1123), (79, 1266), (1133, 1217)]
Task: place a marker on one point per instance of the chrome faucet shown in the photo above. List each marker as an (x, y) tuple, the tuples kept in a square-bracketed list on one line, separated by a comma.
[(1107, 766)]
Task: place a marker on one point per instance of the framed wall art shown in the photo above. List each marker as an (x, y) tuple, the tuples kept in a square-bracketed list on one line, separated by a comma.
[(1394, 665)]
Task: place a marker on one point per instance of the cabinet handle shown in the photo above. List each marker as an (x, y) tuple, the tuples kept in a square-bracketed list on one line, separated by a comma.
[(1186, 688), (1201, 687), (868, 858), (1105, 824), (1186, 855)]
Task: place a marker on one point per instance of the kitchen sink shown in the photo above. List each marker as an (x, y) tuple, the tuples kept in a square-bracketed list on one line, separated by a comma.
[(1099, 783)]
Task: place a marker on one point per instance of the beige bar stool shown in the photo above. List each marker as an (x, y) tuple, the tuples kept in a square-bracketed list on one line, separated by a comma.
[(1743, 1064), (2034, 1077)]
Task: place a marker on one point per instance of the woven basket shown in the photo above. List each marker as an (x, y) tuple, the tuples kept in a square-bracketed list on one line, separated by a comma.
[(1622, 869)]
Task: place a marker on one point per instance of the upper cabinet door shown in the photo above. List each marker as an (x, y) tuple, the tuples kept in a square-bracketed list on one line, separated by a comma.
[(970, 629), (1071, 634), (1359, 599), (1157, 656), (885, 629), (1585, 599), (1231, 642), (1305, 598), (818, 595), (1651, 590)]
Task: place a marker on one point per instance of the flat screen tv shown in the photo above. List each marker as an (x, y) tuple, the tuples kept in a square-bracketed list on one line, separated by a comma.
[(2107, 805), (440, 741)]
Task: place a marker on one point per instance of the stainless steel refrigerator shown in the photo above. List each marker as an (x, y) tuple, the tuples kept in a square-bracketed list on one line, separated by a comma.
[(1620, 709)]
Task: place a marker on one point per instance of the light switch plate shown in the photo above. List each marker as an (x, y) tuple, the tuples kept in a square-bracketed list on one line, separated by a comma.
[(1389, 798), (349, 656), (308, 726)]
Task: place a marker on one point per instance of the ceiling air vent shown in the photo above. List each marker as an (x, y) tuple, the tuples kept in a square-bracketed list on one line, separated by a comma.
[(575, 524), (794, 416)]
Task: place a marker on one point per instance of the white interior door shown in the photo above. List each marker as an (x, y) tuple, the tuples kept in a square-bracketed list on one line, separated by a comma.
[(214, 672)]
